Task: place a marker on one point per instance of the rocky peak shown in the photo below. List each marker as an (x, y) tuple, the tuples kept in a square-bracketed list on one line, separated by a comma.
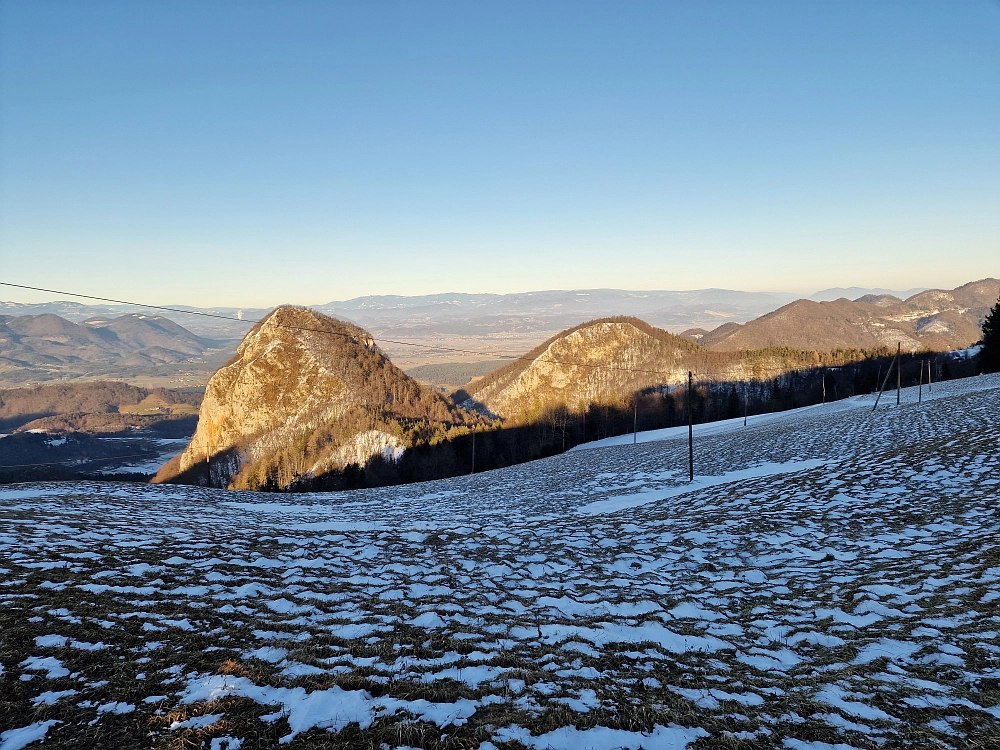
[(297, 371)]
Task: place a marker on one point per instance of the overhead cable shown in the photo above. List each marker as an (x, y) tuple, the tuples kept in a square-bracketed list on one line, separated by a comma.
[(433, 347)]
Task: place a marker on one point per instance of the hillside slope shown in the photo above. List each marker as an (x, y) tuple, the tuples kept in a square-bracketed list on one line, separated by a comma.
[(305, 394), (585, 363), (19, 406), (609, 360), (829, 580), (939, 320)]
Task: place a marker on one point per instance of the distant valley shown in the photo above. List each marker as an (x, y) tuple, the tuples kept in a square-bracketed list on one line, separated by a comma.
[(97, 429)]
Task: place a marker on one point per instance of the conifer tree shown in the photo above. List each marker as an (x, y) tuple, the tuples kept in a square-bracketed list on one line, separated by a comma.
[(989, 355)]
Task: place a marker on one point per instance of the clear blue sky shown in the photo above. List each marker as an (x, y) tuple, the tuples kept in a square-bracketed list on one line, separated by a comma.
[(254, 153)]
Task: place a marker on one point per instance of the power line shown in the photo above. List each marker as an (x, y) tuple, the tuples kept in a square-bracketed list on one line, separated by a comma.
[(126, 302), (498, 355)]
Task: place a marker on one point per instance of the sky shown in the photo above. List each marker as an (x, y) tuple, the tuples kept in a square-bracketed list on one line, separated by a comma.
[(253, 153)]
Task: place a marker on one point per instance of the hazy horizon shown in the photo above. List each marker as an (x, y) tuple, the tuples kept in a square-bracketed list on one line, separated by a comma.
[(14, 295)]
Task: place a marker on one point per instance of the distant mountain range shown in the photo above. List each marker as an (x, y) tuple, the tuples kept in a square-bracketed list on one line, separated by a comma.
[(461, 329), (47, 345), (485, 324), (936, 319), (538, 311), (464, 313), (853, 292), (214, 329)]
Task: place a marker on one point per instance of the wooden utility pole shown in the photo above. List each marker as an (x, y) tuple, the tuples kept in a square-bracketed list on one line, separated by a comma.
[(899, 377), (887, 374), (745, 401), (929, 389), (635, 421), (690, 428), (920, 391), (824, 387)]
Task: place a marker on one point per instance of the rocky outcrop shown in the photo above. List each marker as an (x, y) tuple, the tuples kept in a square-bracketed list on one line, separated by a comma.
[(305, 394)]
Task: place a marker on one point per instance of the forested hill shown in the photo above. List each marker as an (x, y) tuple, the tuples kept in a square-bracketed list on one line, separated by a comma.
[(612, 360), (936, 319), (19, 406)]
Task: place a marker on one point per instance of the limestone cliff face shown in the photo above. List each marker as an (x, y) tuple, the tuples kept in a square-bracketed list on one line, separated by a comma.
[(281, 379), (296, 375)]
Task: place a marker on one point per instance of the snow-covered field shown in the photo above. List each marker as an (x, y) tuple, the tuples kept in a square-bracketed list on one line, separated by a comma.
[(830, 580)]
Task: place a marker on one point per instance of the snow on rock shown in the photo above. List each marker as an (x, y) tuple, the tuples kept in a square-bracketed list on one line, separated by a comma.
[(362, 447)]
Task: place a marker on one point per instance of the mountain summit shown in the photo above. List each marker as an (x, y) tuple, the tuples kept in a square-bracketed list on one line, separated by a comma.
[(305, 394)]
